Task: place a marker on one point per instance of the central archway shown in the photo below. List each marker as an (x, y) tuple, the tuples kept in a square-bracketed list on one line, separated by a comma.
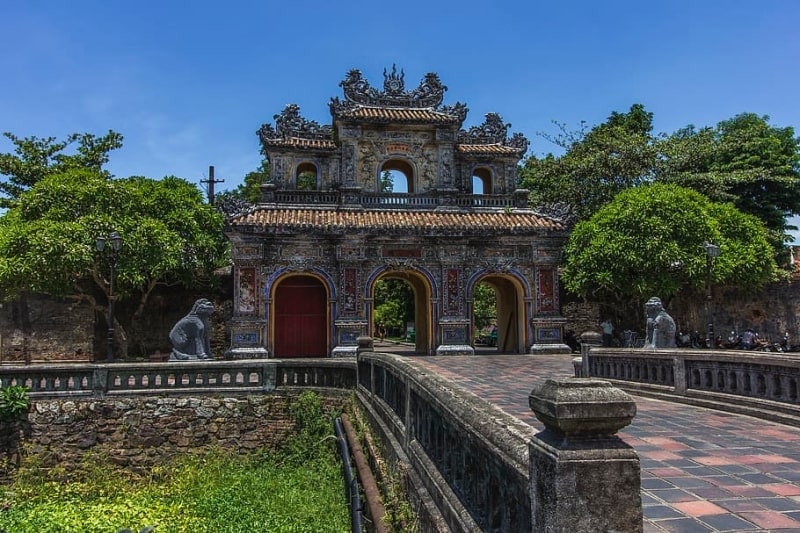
[(421, 289)]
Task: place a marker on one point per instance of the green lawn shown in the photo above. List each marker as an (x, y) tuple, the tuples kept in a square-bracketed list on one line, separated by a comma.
[(299, 489)]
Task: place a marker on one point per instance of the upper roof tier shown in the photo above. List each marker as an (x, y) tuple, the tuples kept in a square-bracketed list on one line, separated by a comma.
[(364, 104)]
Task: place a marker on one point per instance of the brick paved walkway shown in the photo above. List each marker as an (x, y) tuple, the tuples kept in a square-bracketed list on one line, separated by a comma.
[(702, 470)]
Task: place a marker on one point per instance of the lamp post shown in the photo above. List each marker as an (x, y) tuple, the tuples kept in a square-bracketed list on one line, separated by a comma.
[(712, 252), (116, 245)]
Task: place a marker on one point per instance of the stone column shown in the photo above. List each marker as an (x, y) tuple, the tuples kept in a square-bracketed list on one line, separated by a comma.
[(588, 340), (582, 476)]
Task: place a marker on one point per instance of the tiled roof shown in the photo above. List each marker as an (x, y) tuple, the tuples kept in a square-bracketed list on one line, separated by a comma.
[(487, 149), (399, 115), (293, 220), (300, 143)]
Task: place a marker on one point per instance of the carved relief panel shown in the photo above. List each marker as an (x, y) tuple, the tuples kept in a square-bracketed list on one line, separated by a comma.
[(546, 290)]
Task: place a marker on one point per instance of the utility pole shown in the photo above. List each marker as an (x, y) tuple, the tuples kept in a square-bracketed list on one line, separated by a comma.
[(210, 184)]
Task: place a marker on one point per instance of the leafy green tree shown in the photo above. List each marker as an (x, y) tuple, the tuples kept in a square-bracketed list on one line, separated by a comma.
[(248, 193), (35, 158), (307, 181), (743, 160), (597, 165), (484, 306), (47, 238), (649, 242), (387, 181), (394, 303)]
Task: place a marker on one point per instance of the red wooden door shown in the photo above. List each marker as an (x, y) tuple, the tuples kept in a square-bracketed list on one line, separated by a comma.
[(300, 319)]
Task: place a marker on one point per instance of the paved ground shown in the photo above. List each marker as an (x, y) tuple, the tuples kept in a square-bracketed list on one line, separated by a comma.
[(702, 470)]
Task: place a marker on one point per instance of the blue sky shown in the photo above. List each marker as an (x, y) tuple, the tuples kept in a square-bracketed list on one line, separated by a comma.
[(189, 83)]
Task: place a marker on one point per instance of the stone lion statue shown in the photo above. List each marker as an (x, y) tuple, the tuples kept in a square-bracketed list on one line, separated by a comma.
[(660, 326), (191, 335)]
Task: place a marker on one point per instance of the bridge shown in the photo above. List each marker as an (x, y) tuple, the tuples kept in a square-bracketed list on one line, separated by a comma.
[(701, 469)]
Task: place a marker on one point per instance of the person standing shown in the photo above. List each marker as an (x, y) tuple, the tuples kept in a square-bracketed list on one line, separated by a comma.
[(608, 332)]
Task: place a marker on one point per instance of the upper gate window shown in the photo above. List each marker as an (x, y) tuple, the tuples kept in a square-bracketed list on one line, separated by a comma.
[(396, 175), (482, 181), (306, 177)]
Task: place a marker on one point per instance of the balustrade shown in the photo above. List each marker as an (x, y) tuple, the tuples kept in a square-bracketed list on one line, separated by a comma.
[(744, 374), (389, 200), (195, 376), (465, 439)]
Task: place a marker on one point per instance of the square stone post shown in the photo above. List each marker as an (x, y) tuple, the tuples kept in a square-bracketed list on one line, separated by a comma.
[(582, 476)]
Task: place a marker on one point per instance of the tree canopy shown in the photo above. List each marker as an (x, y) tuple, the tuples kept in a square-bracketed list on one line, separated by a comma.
[(743, 160), (35, 158), (47, 238), (597, 165), (650, 240)]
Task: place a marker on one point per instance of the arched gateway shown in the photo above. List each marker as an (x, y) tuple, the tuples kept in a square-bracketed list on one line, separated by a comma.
[(307, 257)]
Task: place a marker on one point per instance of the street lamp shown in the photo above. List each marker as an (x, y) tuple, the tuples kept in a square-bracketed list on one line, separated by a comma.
[(712, 252), (116, 245)]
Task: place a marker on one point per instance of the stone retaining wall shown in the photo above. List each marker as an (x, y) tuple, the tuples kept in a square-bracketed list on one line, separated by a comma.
[(142, 431)]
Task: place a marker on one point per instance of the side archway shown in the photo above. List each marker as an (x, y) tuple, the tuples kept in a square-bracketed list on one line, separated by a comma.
[(511, 324)]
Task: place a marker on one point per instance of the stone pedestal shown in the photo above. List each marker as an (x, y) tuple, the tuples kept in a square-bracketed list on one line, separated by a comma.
[(455, 349), (548, 334), (247, 353), (582, 476), (344, 351)]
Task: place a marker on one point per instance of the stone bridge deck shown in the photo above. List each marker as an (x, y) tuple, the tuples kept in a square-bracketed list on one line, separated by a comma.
[(702, 470)]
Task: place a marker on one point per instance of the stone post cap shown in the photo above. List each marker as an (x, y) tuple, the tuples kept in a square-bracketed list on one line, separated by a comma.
[(581, 406), (364, 344), (591, 337)]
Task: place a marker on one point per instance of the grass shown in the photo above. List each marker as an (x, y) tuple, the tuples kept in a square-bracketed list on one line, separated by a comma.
[(298, 489)]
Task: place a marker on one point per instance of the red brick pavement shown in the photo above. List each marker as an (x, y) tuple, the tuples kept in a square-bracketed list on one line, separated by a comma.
[(702, 470)]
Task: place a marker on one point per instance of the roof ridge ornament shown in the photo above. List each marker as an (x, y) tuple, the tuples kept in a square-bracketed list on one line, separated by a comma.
[(358, 91), (289, 123), (392, 83), (493, 131)]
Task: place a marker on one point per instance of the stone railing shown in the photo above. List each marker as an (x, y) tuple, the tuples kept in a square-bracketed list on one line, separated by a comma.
[(483, 470), (768, 383), (430, 200), (184, 377)]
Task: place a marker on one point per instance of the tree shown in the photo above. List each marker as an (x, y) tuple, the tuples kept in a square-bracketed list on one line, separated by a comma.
[(36, 158), (484, 306), (47, 238), (649, 242), (387, 181), (395, 299), (597, 165), (307, 181), (246, 194), (742, 160)]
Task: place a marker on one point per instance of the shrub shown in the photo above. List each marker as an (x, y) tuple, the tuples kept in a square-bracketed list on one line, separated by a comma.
[(14, 402)]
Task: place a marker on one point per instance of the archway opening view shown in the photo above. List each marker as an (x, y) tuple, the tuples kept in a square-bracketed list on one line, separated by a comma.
[(400, 319), (396, 176), (497, 316), (484, 318)]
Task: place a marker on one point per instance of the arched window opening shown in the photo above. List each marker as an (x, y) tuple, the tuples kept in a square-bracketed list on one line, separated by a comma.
[(306, 177), (396, 175), (482, 181)]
